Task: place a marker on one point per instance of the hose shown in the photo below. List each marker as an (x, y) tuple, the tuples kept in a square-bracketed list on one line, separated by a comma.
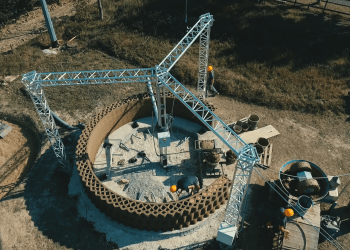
[(60, 122)]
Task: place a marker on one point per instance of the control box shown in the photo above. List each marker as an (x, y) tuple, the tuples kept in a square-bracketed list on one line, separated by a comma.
[(164, 139)]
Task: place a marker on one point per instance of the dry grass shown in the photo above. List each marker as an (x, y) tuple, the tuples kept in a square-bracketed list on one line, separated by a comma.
[(268, 55)]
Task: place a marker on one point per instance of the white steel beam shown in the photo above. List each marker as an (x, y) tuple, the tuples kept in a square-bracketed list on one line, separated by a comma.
[(95, 77)]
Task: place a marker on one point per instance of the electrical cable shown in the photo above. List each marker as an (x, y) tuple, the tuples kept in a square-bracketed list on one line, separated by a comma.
[(314, 177), (172, 115), (154, 144), (302, 232), (333, 241), (294, 176), (186, 13)]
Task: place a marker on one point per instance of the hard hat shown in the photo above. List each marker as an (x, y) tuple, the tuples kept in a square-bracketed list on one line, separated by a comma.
[(173, 188), (288, 212), (210, 68)]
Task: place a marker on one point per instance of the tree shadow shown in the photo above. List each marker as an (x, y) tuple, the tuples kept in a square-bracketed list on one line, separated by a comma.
[(252, 32), (258, 210), (53, 212), (21, 156)]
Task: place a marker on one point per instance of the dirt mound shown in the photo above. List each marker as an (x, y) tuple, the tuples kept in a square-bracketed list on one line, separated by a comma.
[(230, 157), (212, 157), (207, 144)]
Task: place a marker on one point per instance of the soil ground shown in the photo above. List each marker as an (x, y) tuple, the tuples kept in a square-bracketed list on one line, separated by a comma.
[(32, 25), (39, 214)]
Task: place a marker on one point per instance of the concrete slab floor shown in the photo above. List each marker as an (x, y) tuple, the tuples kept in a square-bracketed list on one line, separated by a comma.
[(148, 180)]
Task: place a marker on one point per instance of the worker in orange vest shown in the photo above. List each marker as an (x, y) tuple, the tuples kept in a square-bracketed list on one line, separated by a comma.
[(278, 223), (210, 81)]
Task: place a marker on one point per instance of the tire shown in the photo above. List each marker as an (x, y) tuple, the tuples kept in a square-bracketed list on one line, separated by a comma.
[(300, 167), (308, 187)]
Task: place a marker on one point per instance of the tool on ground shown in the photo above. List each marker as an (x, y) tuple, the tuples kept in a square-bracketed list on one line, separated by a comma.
[(132, 160), (262, 166), (143, 155)]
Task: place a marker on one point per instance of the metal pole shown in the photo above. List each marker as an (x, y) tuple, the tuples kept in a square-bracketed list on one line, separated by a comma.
[(159, 100), (164, 109), (49, 25), (150, 90)]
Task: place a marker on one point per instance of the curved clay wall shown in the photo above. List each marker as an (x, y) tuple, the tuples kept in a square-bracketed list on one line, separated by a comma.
[(133, 213)]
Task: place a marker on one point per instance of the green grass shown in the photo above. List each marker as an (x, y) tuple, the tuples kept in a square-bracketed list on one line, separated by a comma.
[(263, 54)]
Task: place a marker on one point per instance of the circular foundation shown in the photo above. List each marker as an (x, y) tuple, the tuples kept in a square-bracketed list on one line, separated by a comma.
[(154, 216)]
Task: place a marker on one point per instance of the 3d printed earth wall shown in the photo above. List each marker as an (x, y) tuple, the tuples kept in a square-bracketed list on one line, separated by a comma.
[(142, 215)]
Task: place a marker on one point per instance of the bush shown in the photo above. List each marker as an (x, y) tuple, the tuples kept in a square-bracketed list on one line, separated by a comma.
[(10, 9)]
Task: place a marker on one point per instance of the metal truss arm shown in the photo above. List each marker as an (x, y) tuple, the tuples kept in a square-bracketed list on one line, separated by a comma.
[(202, 112), (93, 77), (45, 114), (169, 61), (247, 155)]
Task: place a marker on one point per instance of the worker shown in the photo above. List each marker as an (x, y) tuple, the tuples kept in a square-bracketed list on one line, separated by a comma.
[(186, 183), (210, 82), (278, 223)]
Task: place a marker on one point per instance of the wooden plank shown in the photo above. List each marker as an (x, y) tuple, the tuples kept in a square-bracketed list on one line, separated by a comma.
[(252, 136), (301, 235), (303, 231), (270, 156), (266, 156), (312, 215)]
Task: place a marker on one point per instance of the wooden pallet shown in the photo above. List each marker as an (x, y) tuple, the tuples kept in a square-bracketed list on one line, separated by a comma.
[(302, 234), (266, 156)]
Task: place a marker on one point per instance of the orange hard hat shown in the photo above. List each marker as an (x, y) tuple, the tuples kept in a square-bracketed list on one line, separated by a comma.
[(289, 212), (173, 188), (210, 68)]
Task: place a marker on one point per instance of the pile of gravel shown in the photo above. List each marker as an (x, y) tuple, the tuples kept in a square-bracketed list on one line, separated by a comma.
[(144, 187)]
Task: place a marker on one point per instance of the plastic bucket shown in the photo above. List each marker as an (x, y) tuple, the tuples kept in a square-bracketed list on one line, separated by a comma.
[(253, 121), (239, 123), (304, 203), (237, 129), (245, 126), (259, 149), (263, 142)]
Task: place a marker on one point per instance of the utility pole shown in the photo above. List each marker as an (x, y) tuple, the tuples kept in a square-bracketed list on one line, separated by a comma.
[(49, 25), (100, 8)]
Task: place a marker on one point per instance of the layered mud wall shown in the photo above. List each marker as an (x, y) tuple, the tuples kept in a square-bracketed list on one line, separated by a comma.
[(142, 215)]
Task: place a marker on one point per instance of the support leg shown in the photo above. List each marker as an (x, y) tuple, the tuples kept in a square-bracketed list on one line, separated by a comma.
[(42, 107), (203, 62)]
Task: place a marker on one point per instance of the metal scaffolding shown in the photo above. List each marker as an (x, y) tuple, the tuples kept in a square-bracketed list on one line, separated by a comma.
[(247, 155), (204, 42)]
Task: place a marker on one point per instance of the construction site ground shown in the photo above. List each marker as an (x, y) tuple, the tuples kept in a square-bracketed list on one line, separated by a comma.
[(39, 214)]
